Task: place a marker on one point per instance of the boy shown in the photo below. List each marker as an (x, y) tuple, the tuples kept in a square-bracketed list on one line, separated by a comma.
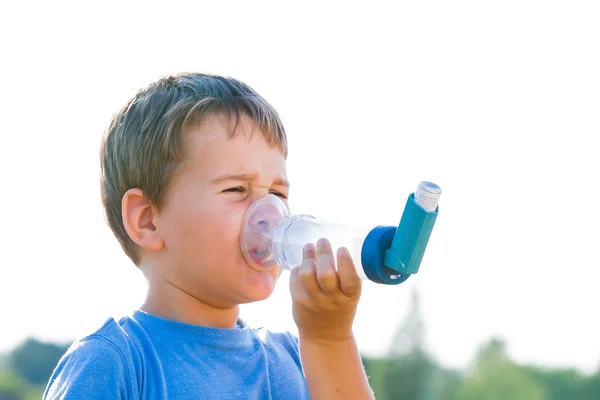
[(181, 163)]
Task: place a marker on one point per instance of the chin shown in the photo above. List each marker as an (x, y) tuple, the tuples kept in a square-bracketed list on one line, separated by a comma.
[(254, 297), (260, 286)]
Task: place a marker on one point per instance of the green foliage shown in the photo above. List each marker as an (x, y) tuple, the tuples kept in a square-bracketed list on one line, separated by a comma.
[(35, 360), (560, 383), (446, 383), (375, 367), (408, 377), (409, 373), (495, 377), (591, 387), (35, 392), (12, 386)]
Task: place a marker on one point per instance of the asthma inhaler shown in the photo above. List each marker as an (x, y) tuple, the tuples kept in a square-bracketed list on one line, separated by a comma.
[(272, 237)]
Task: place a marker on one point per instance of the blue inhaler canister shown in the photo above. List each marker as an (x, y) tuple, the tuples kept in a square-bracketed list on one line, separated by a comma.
[(390, 255)]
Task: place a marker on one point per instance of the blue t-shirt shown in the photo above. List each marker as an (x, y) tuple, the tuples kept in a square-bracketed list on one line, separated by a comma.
[(148, 357)]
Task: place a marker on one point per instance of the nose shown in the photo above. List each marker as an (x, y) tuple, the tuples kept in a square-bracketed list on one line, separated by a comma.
[(264, 225), (265, 217)]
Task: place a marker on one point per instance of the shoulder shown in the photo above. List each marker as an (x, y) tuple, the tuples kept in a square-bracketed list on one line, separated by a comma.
[(101, 365), (279, 341), (284, 357), (282, 338)]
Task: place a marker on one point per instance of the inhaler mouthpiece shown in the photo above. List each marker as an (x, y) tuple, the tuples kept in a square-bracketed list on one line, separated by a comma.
[(258, 227)]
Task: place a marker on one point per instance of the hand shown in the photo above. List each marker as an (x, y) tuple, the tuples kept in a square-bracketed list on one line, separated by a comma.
[(325, 300)]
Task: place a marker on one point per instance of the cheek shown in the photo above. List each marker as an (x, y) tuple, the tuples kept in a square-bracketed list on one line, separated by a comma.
[(217, 234), (205, 230), (221, 231)]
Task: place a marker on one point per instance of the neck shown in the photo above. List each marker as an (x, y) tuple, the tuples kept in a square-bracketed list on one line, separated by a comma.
[(168, 301)]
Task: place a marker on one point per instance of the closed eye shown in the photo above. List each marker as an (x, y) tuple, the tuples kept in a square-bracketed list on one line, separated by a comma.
[(237, 189), (240, 189), (278, 194)]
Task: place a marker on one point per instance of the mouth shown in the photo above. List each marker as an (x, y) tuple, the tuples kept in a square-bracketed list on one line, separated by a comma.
[(262, 259)]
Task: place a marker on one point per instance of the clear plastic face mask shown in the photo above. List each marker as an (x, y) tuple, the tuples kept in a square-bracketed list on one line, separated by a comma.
[(256, 237)]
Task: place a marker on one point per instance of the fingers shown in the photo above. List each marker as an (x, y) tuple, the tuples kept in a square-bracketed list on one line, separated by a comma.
[(306, 271), (350, 282), (327, 276), (325, 299), (318, 275)]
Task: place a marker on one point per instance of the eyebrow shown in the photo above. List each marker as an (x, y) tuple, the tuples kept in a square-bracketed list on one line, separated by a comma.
[(247, 178)]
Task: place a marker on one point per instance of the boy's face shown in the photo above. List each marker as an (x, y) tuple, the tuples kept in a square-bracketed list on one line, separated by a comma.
[(201, 218)]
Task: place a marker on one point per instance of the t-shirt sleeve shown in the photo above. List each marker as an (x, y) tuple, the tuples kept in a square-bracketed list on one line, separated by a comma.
[(93, 368), (291, 344)]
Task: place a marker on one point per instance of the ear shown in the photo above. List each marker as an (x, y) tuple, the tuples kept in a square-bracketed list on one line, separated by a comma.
[(139, 219)]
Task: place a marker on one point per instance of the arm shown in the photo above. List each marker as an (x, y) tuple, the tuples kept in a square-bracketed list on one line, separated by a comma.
[(93, 368), (334, 370), (325, 303)]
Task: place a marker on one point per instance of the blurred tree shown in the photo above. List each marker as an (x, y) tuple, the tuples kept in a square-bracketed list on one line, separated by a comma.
[(408, 371), (12, 387), (591, 388), (409, 338), (35, 360), (35, 392), (446, 383), (408, 377), (560, 383), (374, 368), (495, 377)]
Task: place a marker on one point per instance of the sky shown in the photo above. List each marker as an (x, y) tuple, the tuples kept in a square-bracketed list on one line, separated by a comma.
[(496, 102)]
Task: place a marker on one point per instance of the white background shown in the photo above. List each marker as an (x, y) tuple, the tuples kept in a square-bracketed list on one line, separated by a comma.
[(497, 102)]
